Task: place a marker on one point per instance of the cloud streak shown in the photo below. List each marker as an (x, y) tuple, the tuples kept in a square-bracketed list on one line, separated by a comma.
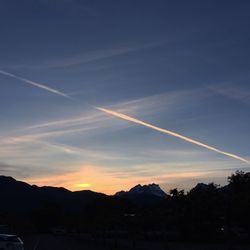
[(35, 84), (97, 55), (239, 93), (165, 131)]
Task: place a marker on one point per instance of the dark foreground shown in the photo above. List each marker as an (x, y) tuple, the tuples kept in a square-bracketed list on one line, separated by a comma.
[(206, 217), (73, 242)]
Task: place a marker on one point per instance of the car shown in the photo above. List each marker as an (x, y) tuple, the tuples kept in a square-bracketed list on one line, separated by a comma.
[(10, 242)]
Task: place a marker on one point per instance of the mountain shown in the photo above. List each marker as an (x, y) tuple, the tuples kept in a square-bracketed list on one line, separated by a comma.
[(150, 192), (45, 207), (16, 194), (29, 208)]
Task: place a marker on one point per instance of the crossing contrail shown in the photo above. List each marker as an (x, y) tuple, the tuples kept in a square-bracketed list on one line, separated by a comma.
[(165, 131), (35, 84), (128, 118)]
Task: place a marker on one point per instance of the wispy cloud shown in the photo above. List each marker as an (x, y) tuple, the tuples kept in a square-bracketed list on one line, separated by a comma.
[(158, 169), (92, 120), (50, 134), (236, 92), (96, 55), (5, 168), (21, 171), (87, 118), (45, 142)]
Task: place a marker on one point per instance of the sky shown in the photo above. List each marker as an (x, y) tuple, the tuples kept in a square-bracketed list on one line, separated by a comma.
[(179, 65)]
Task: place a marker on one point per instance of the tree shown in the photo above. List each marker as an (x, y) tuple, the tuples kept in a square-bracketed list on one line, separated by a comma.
[(176, 193), (239, 182)]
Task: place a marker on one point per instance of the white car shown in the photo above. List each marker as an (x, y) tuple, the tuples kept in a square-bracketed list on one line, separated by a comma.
[(10, 242)]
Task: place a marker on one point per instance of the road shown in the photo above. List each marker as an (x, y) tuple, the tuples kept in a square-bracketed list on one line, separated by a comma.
[(57, 242), (66, 242)]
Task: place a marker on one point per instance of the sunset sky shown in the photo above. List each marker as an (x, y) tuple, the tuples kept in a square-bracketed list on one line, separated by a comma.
[(180, 65)]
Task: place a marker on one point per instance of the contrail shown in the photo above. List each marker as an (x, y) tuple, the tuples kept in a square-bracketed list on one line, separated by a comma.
[(125, 117), (38, 85), (165, 131)]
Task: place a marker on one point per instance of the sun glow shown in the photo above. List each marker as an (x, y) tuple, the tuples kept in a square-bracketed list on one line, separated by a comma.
[(83, 185), (99, 179)]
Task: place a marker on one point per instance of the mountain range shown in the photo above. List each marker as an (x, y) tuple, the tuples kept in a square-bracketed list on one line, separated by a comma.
[(20, 196)]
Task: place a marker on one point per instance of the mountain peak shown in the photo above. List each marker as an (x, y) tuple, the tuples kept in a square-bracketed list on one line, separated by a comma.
[(6, 178), (149, 190)]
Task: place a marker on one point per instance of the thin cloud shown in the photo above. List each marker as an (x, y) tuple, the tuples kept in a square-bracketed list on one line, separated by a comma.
[(165, 131), (80, 120), (145, 105), (35, 136), (96, 55), (241, 94)]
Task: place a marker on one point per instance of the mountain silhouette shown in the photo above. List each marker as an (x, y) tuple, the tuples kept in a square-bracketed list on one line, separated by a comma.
[(26, 197), (146, 193), (22, 197), (207, 211)]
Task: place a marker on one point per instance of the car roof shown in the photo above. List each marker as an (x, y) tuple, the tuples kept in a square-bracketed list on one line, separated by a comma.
[(7, 235)]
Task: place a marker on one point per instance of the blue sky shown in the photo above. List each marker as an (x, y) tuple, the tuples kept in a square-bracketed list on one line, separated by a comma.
[(180, 65)]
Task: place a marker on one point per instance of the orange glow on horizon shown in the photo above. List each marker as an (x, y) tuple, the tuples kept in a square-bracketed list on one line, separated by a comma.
[(97, 179)]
